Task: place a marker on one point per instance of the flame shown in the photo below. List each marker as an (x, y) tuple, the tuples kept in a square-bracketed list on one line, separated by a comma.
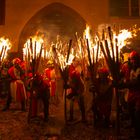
[(88, 35), (33, 49), (122, 37), (88, 38), (87, 32), (78, 51), (63, 57), (5, 45), (92, 44)]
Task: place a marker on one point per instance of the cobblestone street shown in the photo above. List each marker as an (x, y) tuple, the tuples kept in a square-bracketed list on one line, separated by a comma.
[(14, 126)]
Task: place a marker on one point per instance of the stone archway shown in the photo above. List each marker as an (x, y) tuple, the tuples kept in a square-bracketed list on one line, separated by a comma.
[(54, 19)]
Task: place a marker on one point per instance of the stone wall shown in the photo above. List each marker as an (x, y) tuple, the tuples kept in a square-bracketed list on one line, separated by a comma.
[(19, 13)]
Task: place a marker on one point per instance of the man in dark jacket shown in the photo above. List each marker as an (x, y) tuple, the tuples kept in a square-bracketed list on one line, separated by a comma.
[(40, 91), (76, 90), (134, 91)]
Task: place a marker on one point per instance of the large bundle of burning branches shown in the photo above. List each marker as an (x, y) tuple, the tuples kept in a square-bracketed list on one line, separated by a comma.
[(89, 49)]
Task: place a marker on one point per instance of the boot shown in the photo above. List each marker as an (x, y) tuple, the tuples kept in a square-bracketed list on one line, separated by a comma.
[(7, 106), (23, 108)]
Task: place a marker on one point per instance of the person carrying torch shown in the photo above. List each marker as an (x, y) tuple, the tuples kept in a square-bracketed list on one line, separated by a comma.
[(75, 90), (134, 91), (103, 98), (50, 79), (41, 91), (17, 87)]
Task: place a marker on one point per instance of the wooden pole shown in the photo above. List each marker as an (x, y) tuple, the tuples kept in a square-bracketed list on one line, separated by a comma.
[(66, 80), (111, 42), (92, 73), (64, 74), (35, 65), (70, 44), (83, 59), (117, 93), (37, 61), (114, 69), (97, 53), (3, 54), (1, 51), (88, 50), (31, 91)]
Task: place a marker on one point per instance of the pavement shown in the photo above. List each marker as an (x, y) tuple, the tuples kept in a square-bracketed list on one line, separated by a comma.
[(14, 125)]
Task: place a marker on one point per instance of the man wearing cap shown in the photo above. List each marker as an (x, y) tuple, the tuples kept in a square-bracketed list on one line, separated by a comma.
[(133, 84), (76, 90), (50, 78), (40, 91), (103, 98), (17, 88)]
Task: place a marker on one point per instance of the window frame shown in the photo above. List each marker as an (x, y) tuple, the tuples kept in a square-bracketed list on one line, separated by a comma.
[(116, 9)]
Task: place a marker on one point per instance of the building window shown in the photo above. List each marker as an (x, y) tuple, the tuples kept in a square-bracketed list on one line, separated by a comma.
[(124, 8), (2, 12)]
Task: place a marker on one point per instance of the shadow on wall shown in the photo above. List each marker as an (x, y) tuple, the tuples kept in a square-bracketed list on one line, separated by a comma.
[(55, 19)]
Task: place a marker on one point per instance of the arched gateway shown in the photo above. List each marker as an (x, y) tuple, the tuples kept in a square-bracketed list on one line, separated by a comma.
[(54, 19)]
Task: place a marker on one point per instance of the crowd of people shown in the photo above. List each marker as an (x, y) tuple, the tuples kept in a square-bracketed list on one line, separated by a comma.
[(19, 85)]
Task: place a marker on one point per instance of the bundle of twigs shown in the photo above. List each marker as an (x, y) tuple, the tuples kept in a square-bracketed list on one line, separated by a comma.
[(64, 74), (80, 46), (93, 66), (113, 65), (34, 65)]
